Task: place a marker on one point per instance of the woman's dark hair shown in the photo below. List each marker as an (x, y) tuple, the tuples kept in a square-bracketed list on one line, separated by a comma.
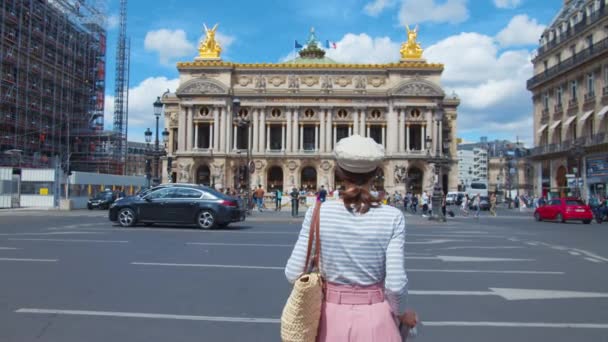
[(356, 195)]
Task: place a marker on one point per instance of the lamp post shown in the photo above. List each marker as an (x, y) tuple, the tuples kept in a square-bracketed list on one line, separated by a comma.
[(156, 151), (244, 122), (437, 213), (578, 149)]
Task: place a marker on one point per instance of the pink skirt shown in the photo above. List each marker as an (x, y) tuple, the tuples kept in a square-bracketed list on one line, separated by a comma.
[(357, 314)]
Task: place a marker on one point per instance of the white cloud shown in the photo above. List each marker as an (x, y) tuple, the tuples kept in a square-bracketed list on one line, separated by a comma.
[(376, 7), (141, 98), (507, 3), (169, 44), (521, 30), (224, 40), (362, 48), (447, 11), (113, 21)]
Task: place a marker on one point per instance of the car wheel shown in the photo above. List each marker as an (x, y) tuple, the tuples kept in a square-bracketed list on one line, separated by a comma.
[(560, 218), (586, 221), (126, 217), (205, 219), (537, 217), (90, 207)]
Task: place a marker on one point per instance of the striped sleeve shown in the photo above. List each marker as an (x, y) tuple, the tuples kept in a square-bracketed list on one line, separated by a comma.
[(295, 264), (396, 277)]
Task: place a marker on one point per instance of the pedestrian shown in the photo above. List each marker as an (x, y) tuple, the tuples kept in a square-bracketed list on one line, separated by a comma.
[(364, 288), (278, 199), (476, 205), (425, 204), (444, 204), (295, 202), (322, 194), (415, 204), (465, 206), (493, 204), (259, 196)]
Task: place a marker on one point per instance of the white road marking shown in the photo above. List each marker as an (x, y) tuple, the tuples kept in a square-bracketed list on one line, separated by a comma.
[(518, 325), (8, 248), (149, 315), (28, 260), (574, 253), (581, 251), (531, 243), (454, 258), (207, 265), (534, 294), (46, 234), (454, 235), (484, 247), (593, 260), (471, 324), (434, 270), (237, 244), (72, 240), (434, 242), (449, 293)]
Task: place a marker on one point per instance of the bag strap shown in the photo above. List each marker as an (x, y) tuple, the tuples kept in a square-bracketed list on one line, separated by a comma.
[(314, 234)]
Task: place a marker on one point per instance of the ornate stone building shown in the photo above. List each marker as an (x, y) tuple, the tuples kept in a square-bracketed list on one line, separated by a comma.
[(298, 111)]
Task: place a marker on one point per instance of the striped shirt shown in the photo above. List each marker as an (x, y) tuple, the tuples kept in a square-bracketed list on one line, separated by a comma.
[(357, 249)]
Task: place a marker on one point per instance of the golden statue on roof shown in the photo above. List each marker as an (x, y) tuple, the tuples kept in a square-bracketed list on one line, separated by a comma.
[(411, 49), (209, 49)]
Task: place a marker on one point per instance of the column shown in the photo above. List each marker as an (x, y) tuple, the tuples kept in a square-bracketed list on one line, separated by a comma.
[(234, 137), (256, 130), (267, 137), (317, 138), (335, 136), (296, 131), (328, 146), (211, 136), (283, 140), (222, 130), (216, 125), (181, 133), (196, 144), (350, 130), (363, 125), (356, 121), (384, 136), (249, 137), (423, 133), (400, 131), (289, 130), (407, 138), (301, 137), (228, 128), (322, 131), (440, 139), (368, 131), (262, 141), (189, 127), (392, 139)]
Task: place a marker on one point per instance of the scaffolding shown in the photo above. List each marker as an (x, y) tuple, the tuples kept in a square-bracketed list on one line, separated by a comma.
[(52, 57)]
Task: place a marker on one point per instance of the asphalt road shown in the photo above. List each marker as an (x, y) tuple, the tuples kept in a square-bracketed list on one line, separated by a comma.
[(73, 277)]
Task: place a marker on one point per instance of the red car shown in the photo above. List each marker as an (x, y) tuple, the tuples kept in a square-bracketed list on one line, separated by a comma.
[(564, 209)]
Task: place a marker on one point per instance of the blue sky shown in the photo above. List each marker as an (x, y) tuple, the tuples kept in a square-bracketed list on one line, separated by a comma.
[(484, 44)]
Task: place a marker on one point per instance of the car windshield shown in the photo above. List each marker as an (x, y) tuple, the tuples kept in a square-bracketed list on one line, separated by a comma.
[(478, 186), (574, 202)]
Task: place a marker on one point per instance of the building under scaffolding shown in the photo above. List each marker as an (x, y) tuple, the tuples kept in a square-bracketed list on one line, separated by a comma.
[(52, 56)]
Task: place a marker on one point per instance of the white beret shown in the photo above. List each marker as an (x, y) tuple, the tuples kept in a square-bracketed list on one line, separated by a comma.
[(357, 154)]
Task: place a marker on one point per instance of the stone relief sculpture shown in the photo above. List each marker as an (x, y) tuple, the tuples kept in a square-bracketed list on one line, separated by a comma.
[(360, 82), (418, 88), (310, 80), (326, 83), (400, 174), (184, 172), (344, 81), (218, 172), (173, 120), (244, 81), (293, 82), (201, 87), (376, 81), (260, 82), (277, 80)]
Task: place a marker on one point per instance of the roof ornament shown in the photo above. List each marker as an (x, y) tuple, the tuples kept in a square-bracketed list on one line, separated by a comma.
[(411, 49), (209, 49)]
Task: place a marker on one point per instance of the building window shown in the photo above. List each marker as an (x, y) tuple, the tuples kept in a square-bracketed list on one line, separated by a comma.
[(204, 111), (573, 50), (342, 114), (309, 113), (375, 132), (204, 134), (309, 138), (589, 41), (558, 57), (558, 95), (243, 113), (276, 137), (415, 113), (242, 138), (341, 132), (546, 64), (546, 101), (573, 86), (175, 139), (376, 114), (606, 76), (590, 85), (276, 113)]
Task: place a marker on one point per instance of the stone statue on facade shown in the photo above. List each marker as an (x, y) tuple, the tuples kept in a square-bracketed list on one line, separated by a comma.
[(260, 82), (218, 172), (400, 174), (184, 172)]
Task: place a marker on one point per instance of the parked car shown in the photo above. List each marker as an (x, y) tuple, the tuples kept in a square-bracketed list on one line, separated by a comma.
[(451, 198), (564, 209), (103, 200), (179, 203)]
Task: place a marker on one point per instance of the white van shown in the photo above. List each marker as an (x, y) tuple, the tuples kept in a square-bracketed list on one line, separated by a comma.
[(478, 187)]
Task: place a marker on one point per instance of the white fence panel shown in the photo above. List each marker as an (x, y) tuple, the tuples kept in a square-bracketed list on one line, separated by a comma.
[(35, 201), (37, 175), (6, 175)]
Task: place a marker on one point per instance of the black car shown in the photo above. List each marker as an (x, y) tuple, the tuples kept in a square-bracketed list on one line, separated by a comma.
[(178, 203), (102, 200), (484, 203)]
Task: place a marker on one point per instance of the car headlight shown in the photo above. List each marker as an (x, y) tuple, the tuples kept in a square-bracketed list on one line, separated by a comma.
[(113, 205)]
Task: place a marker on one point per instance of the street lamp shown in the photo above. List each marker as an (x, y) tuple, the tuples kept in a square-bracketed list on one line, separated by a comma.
[(156, 152), (438, 161), (244, 122)]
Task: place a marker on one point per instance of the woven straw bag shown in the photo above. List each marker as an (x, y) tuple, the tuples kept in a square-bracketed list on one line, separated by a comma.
[(302, 312)]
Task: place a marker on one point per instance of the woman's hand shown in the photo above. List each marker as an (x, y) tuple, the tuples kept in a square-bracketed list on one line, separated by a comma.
[(409, 319)]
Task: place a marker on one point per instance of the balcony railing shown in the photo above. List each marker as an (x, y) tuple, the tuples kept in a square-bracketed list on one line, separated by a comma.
[(568, 145), (570, 63), (605, 91), (589, 97), (573, 31), (558, 108)]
